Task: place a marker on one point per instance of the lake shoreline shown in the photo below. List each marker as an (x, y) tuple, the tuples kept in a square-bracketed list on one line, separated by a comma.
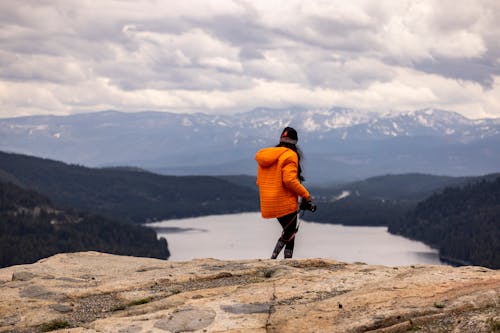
[(248, 236)]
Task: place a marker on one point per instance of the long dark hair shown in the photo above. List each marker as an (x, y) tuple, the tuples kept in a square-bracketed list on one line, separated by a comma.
[(299, 156)]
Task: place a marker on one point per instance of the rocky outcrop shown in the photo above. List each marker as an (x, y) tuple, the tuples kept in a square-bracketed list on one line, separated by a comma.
[(94, 292)]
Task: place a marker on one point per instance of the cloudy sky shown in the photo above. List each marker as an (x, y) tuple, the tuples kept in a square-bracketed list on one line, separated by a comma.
[(222, 56)]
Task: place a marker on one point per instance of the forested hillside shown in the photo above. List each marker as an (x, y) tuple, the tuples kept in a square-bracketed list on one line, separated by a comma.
[(31, 228), (127, 194), (463, 223), (378, 200)]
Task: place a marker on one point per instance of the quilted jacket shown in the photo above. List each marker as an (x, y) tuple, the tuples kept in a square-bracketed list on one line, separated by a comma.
[(277, 178)]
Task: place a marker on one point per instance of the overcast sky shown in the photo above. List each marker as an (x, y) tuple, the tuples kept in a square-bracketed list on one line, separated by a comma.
[(218, 56)]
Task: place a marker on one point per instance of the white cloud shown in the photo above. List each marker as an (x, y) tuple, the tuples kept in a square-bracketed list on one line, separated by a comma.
[(224, 56)]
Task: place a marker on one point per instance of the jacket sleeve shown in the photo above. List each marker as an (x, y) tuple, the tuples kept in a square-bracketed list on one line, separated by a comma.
[(289, 173)]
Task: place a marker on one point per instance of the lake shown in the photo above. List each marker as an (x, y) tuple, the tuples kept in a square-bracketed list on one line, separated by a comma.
[(249, 236)]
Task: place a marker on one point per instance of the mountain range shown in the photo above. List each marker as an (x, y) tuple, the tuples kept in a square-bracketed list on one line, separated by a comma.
[(339, 144)]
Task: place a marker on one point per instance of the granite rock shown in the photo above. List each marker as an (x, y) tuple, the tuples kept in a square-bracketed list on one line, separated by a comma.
[(92, 292)]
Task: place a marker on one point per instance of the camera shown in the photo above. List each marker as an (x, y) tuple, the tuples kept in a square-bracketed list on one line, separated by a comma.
[(307, 205)]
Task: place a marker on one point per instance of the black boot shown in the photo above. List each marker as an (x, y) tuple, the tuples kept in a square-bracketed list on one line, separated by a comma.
[(277, 249), (288, 253)]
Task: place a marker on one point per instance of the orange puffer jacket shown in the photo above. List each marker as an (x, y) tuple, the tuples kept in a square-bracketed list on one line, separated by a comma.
[(278, 183)]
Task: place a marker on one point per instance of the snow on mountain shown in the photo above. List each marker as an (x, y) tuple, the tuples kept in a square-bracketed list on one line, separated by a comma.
[(346, 142), (313, 121), (345, 123)]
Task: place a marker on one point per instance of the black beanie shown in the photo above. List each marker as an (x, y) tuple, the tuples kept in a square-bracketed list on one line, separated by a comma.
[(289, 135)]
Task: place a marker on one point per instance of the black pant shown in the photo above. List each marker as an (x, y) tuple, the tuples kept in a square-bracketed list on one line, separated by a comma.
[(287, 238), (288, 223)]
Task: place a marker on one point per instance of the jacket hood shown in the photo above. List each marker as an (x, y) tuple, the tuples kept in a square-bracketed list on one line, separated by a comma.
[(268, 156)]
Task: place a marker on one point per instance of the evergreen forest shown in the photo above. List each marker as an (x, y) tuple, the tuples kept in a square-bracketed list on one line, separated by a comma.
[(377, 201), (31, 228), (49, 207), (127, 194), (462, 222)]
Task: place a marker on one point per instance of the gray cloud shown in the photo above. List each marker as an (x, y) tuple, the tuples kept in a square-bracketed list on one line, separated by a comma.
[(236, 55), (477, 70)]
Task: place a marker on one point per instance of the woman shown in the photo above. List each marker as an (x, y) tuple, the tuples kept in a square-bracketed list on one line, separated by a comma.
[(278, 178)]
